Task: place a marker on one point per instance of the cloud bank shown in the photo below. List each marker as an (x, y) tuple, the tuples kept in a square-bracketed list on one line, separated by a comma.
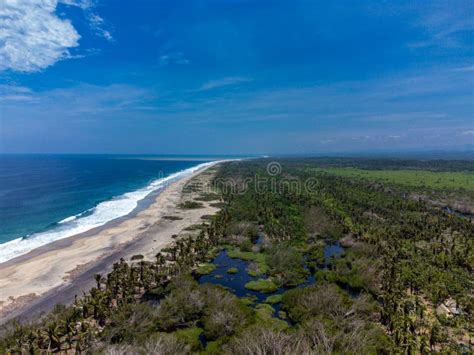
[(32, 36)]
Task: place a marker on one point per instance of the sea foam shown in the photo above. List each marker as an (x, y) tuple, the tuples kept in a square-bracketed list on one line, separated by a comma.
[(98, 216)]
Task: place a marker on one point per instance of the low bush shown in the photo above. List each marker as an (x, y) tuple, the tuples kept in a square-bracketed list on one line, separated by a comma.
[(323, 300), (224, 314), (190, 205), (205, 269), (287, 265)]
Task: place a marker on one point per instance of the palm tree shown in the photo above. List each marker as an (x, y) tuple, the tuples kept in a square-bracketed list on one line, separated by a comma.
[(98, 279), (52, 335), (160, 259)]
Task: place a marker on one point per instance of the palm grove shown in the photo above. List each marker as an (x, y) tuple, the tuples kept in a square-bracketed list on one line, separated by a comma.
[(402, 285)]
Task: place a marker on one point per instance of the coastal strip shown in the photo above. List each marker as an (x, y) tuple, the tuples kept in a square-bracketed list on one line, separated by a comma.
[(102, 213), (56, 272)]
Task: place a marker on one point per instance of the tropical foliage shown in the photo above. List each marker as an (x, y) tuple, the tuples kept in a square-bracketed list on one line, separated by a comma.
[(402, 285)]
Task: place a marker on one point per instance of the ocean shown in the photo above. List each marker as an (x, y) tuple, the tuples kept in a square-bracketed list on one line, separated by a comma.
[(44, 198)]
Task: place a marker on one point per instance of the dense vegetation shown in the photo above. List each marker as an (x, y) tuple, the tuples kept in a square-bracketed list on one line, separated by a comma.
[(383, 164), (402, 285), (415, 178)]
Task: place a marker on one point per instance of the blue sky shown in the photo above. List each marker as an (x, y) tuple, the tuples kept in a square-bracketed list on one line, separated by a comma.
[(235, 77)]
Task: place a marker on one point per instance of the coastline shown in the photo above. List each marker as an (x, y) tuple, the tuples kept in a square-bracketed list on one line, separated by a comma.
[(54, 273), (111, 208)]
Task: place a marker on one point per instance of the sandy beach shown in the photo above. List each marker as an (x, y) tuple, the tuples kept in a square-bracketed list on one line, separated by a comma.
[(55, 273)]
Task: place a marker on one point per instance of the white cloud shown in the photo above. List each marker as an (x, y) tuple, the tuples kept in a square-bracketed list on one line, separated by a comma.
[(173, 58), (231, 80), (16, 98), (469, 68), (97, 23), (32, 36), (83, 4), (9, 89), (445, 24), (83, 99), (96, 20), (468, 133), (12, 93)]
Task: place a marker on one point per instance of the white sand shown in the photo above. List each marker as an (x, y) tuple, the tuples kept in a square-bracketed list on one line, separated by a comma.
[(27, 277)]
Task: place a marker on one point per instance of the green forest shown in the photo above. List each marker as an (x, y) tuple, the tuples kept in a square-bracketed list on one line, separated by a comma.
[(322, 256)]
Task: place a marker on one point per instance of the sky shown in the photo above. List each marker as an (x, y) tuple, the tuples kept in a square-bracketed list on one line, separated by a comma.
[(236, 76)]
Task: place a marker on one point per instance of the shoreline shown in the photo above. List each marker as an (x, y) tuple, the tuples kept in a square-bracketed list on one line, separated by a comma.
[(55, 272), (23, 245)]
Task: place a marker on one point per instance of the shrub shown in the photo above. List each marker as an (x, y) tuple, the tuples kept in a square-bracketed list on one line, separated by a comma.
[(121, 349), (287, 265), (172, 218), (183, 305), (355, 269), (205, 269), (246, 229), (131, 323), (316, 255), (325, 301), (190, 336), (253, 269), (210, 196), (262, 340), (218, 204), (225, 314), (246, 246), (351, 337), (194, 227), (259, 258), (190, 205), (265, 317), (273, 299), (165, 344)]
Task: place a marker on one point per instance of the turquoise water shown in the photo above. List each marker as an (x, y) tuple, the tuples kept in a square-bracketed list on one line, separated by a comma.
[(49, 197)]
